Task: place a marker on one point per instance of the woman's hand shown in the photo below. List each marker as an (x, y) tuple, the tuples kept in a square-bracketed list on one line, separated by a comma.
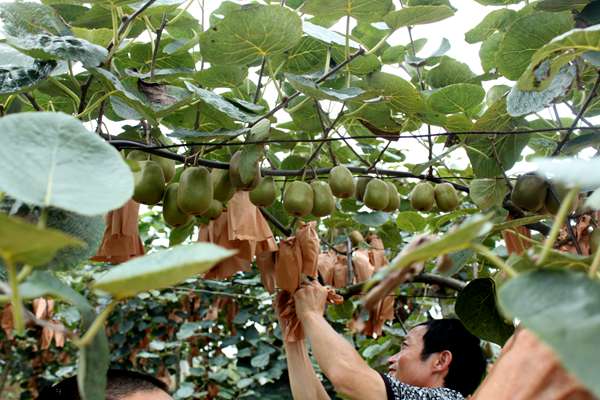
[(310, 299)]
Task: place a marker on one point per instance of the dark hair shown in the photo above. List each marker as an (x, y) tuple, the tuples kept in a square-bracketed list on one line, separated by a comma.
[(119, 383), (468, 361)]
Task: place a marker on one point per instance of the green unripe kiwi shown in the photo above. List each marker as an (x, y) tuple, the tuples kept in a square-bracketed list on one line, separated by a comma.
[(446, 197), (376, 195), (422, 196), (265, 193), (529, 192), (223, 190), (167, 165), (298, 199), (195, 191), (393, 198), (172, 214), (341, 182), (149, 183), (323, 200), (361, 186), (214, 210)]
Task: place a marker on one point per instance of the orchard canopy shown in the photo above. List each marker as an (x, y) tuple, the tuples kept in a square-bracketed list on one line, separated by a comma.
[(168, 168)]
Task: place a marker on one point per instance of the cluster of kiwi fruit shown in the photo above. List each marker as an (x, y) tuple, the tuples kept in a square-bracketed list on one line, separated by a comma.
[(195, 191), (425, 196), (318, 198), (535, 194)]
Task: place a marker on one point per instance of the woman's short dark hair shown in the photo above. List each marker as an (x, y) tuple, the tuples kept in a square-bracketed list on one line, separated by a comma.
[(119, 383), (468, 361)]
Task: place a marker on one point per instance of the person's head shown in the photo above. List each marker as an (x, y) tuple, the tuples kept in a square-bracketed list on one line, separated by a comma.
[(440, 353), (120, 385)]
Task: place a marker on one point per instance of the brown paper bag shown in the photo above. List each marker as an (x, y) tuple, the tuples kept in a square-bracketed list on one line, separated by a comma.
[(326, 266), (308, 240), (121, 240), (376, 252), (288, 268), (363, 269), (340, 272), (265, 263)]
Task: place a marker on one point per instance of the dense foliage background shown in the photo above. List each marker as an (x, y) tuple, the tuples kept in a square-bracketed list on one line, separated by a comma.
[(294, 88)]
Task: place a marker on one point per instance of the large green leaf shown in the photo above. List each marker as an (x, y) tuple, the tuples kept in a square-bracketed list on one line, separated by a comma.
[(525, 36), (480, 148), (367, 10), (456, 98), (22, 18), (94, 359), (561, 5), (50, 159), (325, 35), (308, 56), (448, 72), (19, 72), (411, 221), (219, 103), (487, 193), (456, 240), (24, 243), (161, 269), (497, 2), (401, 95), (548, 60), (489, 50), (221, 76), (520, 102), (495, 21), (476, 308), (563, 309), (70, 48), (417, 15), (249, 33)]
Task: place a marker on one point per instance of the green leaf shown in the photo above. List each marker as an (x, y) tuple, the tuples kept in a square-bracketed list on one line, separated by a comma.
[(563, 309), (179, 234), (260, 360), (311, 89), (100, 36), (480, 148), (561, 5), (417, 15), (401, 95), (449, 72), (489, 50), (218, 102), (521, 102), (367, 10), (456, 98), (308, 56), (249, 33), (325, 35), (19, 72), (488, 193), (50, 159), (497, 2), (160, 269), (70, 48), (525, 36), (22, 18), (221, 76), (411, 221), (513, 223), (373, 219), (24, 243), (476, 308), (495, 21), (453, 241), (549, 59), (570, 172)]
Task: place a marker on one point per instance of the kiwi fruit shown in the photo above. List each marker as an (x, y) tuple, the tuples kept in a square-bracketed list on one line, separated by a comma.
[(555, 195), (214, 210), (298, 199), (265, 193), (172, 214), (149, 183), (422, 196), (223, 190), (361, 186), (446, 197), (323, 200), (167, 165), (530, 192), (376, 195), (356, 238), (195, 191), (138, 155), (235, 176), (393, 198), (341, 182)]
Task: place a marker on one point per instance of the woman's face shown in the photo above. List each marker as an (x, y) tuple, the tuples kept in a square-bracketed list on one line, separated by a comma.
[(407, 365)]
